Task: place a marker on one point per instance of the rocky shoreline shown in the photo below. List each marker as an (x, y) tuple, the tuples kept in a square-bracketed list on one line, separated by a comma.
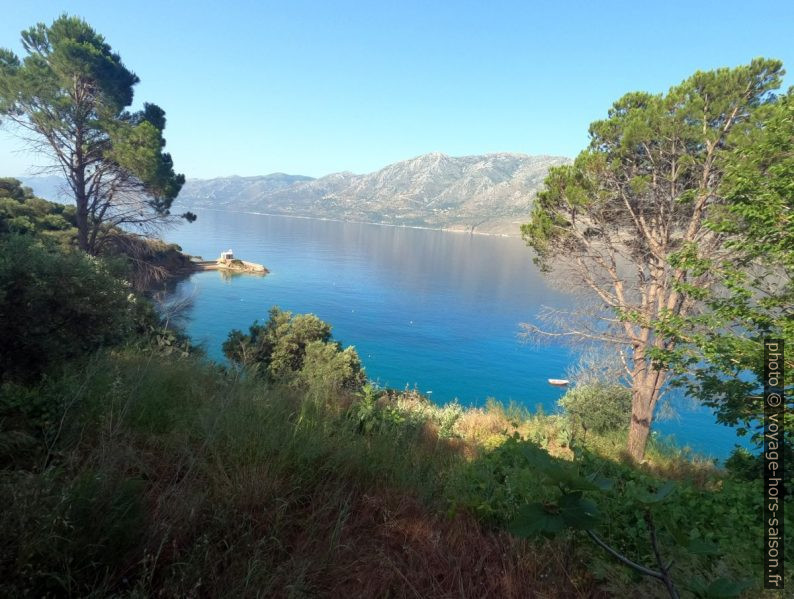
[(229, 264)]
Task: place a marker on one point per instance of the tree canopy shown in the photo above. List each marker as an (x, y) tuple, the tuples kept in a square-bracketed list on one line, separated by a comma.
[(626, 222), (69, 99), (296, 349), (721, 350)]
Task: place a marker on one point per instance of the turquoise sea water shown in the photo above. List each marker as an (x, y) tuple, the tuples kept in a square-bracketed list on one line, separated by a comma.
[(427, 309)]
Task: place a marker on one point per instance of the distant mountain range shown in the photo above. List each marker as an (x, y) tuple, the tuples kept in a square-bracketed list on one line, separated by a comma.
[(489, 193)]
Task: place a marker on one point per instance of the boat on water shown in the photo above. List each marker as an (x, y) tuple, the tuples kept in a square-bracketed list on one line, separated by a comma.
[(559, 382)]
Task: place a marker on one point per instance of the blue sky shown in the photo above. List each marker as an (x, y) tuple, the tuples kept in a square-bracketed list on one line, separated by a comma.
[(317, 87)]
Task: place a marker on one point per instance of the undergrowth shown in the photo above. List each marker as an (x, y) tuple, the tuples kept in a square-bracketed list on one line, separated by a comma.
[(167, 475), (140, 474)]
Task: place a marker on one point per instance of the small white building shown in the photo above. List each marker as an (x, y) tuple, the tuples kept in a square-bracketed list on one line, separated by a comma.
[(227, 255)]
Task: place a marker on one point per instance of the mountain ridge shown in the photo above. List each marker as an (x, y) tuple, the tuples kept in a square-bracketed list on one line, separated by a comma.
[(479, 193), (484, 193)]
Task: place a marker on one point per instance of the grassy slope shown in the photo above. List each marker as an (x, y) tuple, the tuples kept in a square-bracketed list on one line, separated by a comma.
[(166, 476), (149, 474)]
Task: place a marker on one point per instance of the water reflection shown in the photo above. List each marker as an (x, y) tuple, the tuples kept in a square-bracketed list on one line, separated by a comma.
[(478, 268), (426, 308)]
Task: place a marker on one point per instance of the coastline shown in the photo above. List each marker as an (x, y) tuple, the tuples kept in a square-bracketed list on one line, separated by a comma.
[(232, 266), (363, 222)]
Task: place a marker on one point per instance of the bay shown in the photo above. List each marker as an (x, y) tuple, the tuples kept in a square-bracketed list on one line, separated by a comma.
[(431, 310)]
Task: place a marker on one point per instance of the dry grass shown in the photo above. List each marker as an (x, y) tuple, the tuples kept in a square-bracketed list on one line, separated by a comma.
[(393, 547), (251, 530), (250, 492), (667, 463), (478, 425)]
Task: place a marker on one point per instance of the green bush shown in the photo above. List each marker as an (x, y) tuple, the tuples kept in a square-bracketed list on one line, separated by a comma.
[(743, 465), (22, 213), (706, 514), (297, 350), (327, 370), (56, 306), (382, 412), (599, 408), (704, 517), (496, 484), (448, 416)]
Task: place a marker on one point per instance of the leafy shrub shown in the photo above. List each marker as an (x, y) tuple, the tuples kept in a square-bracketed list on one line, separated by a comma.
[(696, 525), (296, 349), (447, 416), (382, 412), (22, 213), (496, 484), (365, 412), (401, 414), (647, 517), (56, 306), (598, 407), (744, 465), (327, 370)]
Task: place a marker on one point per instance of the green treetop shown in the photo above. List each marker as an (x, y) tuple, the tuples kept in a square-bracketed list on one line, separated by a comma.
[(721, 350), (626, 223), (68, 97)]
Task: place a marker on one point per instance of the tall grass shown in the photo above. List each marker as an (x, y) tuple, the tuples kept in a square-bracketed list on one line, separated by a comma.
[(137, 474), (151, 475)]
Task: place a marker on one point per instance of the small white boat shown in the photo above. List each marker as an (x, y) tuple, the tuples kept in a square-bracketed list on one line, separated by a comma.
[(558, 382)]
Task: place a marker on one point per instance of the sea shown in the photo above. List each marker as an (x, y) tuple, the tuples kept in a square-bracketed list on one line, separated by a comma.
[(436, 311)]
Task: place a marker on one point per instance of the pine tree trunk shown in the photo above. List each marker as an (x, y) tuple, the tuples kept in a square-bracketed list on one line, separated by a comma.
[(81, 216), (80, 192), (645, 393)]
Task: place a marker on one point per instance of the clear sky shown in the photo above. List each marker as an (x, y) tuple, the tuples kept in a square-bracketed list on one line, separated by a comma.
[(317, 87)]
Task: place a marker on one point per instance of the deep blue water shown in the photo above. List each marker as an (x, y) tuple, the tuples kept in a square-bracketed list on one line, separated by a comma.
[(427, 309)]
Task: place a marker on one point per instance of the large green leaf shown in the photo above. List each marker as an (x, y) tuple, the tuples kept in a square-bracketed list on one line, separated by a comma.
[(660, 495), (557, 471), (578, 512), (535, 519), (603, 484), (702, 547)]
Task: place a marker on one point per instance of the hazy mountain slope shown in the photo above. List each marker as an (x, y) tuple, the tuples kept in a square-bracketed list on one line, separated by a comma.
[(49, 187), (232, 192), (491, 193), (218, 191)]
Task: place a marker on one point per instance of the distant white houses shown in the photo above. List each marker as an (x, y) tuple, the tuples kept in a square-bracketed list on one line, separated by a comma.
[(227, 255)]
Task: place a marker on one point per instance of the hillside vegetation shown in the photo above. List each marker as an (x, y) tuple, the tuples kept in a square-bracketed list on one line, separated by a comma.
[(146, 262), (133, 466)]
